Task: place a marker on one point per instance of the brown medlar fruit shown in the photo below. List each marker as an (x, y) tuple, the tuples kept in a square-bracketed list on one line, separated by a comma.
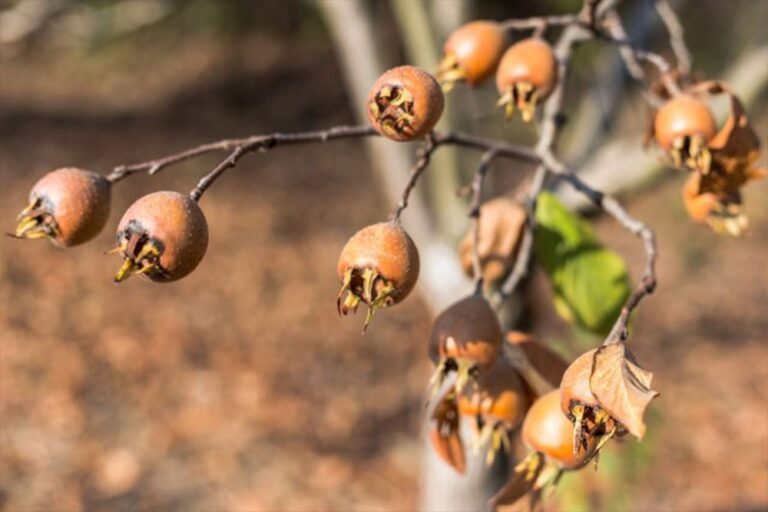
[(526, 76), (68, 206), (405, 103), (683, 127), (162, 236), (471, 53), (379, 266)]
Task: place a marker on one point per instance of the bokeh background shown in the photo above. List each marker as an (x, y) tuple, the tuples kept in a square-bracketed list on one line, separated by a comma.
[(239, 388)]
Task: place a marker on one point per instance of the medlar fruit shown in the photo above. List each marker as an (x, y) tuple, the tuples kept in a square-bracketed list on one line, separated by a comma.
[(68, 206), (405, 103), (163, 236), (379, 266)]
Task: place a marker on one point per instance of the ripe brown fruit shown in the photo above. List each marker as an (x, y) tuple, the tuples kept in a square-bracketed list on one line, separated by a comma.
[(502, 221), (547, 430), (497, 403), (163, 235), (68, 206), (471, 53), (379, 266), (465, 338), (683, 127), (405, 103), (526, 76)]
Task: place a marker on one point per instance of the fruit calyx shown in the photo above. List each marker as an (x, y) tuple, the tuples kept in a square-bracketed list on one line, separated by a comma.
[(392, 108), (36, 221), (141, 253)]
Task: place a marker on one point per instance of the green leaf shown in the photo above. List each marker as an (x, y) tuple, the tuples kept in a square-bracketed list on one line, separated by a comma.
[(590, 283)]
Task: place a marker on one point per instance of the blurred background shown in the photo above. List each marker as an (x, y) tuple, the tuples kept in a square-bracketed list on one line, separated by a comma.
[(239, 388)]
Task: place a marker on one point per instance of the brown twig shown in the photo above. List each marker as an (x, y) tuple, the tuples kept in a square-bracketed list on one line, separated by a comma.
[(539, 23), (612, 207), (676, 35), (474, 212), (421, 164)]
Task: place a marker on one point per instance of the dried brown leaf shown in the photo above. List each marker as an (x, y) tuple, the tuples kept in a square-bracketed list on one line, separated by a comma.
[(444, 434), (501, 224), (622, 387)]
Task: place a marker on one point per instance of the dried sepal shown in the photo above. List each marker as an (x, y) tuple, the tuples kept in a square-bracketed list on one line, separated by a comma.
[(621, 387), (444, 433), (502, 221)]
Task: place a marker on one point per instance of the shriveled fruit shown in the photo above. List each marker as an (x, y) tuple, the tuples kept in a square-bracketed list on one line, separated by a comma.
[(378, 266), (526, 76), (68, 206), (405, 103), (471, 53), (498, 404), (720, 211), (547, 430), (502, 221), (465, 338), (163, 236), (682, 127)]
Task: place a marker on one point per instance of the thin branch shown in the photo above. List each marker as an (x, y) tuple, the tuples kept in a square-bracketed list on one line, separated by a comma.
[(612, 207), (419, 167), (474, 212), (540, 23), (525, 251), (264, 143), (676, 35)]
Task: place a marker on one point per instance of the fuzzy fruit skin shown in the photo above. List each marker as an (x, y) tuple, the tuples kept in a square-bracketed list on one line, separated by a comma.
[(178, 223), (575, 385), (547, 430), (502, 395), (474, 329), (387, 248), (428, 100), (530, 60), (79, 201), (477, 47), (682, 116)]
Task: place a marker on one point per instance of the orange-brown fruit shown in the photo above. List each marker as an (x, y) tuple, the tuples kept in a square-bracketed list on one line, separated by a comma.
[(471, 53), (526, 76), (68, 206), (499, 397), (502, 221), (683, 127), (465, 338), (163, 236), (547, 430), (720, 211), (405, 103), (498, 404), (379, 266)]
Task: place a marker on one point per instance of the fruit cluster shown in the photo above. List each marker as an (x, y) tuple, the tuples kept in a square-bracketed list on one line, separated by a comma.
[(720, 161), (499, 385)]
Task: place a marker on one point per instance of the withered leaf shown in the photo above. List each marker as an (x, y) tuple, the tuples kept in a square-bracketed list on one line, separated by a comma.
[(444, 433), (735, 148), (621, 387), (501, 224)]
